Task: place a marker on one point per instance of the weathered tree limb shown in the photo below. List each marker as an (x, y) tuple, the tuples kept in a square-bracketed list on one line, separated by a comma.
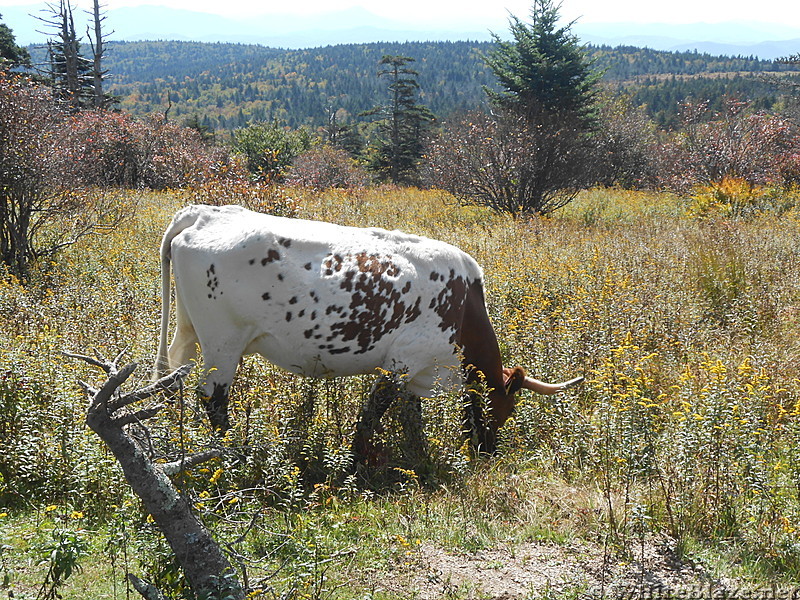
[(138, 416), (97, 360), (169, 383), (175, 467), (147, 590), (206, 567)]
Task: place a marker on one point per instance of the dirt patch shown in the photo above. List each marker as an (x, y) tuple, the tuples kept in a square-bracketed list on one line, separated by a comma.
[(533, 570)]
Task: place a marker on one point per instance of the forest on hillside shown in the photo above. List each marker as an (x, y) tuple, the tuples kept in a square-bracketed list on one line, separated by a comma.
[(225, 86)]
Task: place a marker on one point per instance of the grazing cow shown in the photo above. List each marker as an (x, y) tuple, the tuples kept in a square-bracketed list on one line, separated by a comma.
[(325, 300)]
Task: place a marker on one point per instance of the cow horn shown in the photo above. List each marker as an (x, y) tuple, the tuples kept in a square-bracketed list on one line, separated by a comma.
[(548, 389)]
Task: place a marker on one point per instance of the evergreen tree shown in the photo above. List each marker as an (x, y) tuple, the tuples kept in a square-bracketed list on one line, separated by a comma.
[(537, 150), (404, 125), (203, 127), (544, 67), (11, 55)]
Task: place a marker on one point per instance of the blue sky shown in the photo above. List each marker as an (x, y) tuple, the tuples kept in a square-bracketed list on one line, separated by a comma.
[(786, 12)]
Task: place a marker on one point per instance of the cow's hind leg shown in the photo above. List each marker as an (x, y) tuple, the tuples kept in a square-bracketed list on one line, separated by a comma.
[(386, 389), (183, 349), (219, 363), (414, 445)]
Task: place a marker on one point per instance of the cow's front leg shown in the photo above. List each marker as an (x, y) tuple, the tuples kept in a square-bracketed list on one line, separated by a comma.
[(482, 437), (386, 389)]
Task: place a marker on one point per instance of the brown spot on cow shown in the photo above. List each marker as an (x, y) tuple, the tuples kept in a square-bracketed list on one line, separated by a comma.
[(272, 256), (347, 284), (377, 308), (372, 263), (413, 311), (332, 264), (449, 303)]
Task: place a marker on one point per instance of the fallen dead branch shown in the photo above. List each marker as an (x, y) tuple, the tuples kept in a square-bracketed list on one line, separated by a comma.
[(205, 566)]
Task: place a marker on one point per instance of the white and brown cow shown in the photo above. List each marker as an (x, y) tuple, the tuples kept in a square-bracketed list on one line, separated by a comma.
[(325, 300)]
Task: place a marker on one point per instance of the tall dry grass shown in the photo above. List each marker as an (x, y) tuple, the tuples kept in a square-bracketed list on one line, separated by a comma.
[(686, 329)]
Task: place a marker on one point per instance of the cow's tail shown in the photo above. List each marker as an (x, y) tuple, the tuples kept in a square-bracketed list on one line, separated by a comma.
[(182, 220)]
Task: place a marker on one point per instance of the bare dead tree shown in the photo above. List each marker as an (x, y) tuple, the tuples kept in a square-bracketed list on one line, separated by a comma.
[(65, 64), (169, 106), (206, 567), (97, 41), (70, 53)]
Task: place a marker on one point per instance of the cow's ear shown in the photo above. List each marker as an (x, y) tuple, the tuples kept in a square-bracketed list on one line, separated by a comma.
[(513, 380)]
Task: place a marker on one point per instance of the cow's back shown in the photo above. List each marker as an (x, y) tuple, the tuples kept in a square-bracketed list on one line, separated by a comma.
[(322, 299)]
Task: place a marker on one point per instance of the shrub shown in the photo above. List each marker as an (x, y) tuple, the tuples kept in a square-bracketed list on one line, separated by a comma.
[(628, 143), (736, 197), (730, 195), (512, 163), (50, 158), (789, 168), (735, 143), (270, 148), (40, 211), (325, 167), (116, 149), (257, 196)]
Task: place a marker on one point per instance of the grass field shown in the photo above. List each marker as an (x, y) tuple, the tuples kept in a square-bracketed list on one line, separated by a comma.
[(675, 464)]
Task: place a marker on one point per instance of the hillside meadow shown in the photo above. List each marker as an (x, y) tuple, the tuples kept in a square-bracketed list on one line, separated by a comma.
[(675, 464)]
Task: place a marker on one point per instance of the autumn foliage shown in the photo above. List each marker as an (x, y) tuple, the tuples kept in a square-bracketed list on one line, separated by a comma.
[(324, 167), (55, 163), (33, 186), (115, 149), (513, 163), (735, 142)]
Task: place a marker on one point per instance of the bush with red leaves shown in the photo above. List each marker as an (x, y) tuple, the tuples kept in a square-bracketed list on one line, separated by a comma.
[(114, 149), (325, 167), (734, 143)]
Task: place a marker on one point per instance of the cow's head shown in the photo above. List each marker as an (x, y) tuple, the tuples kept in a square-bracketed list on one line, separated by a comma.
[(500, 404), (486, 414)]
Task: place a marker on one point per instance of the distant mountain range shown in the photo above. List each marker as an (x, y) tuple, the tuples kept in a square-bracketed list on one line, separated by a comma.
[(357, 25)]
